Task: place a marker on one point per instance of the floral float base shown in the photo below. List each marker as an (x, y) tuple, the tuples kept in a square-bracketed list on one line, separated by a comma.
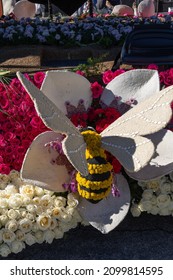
[(30, 215)]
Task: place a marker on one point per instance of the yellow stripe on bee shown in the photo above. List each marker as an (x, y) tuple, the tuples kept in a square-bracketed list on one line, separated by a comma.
[(93, 185), (99, 168), (94, 196)]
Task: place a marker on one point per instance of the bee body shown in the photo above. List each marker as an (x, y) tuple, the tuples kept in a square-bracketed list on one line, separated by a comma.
[(97, 184)]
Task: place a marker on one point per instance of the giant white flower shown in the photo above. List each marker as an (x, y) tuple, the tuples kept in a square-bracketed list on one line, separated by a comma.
[(138, 139)]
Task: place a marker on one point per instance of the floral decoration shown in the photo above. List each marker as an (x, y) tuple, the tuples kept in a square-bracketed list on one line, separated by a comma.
[(30, 214), (103, 30)]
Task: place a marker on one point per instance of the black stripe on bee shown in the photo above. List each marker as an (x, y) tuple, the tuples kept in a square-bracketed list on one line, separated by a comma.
[(93, 191), (97, 160), (98, 177)]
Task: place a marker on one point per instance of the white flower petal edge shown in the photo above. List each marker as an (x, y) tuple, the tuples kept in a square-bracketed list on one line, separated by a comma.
[(63, 86), (136, 84), (108, 213), (38, 168), (162, 161)]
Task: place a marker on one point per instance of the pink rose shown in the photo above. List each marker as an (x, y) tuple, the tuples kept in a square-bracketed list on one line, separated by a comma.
[(38, 78), (118, 72), (153, 67), (79, 72), (107, 76), (4, 168)]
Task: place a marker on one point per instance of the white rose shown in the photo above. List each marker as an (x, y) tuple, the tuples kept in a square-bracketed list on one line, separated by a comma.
[(65, 226), (1, 233), (3, 202), (17, 246), (46, 200), (64, 217), (39, 210), (14, 175), (4, 178), (164, 211), (39, 191), (135, 210), (30, 239), (49, 236), (145, 205), (27, 190), (153, 200), (31, 208), (8, 236), (35, 227), (20, 235), (22, 212), (11, 189), (25, 225), (170, 205), (153, 185), (77, 216), (142, 184), (56, 212), (26, 199), (147, 194), (72, 200), (70, 210), (12, 225), (3, 194), (163, 201), (154, 210), (15, 201), (39, 236), (31, 217), (44, 221), (48, 192), (4, 250), (60, 201), (36, 201), (58, 233), (3, 219), (73, 223), (12, 214), (165, 188), (54, 223), (2, 185)]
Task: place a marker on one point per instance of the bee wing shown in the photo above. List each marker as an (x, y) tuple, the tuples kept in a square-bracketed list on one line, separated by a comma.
[(123, 137), (145, 118), (133, 154), (58, 122)]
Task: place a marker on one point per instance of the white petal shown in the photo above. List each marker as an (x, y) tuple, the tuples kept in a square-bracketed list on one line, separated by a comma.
[(162, 161), (136, 84), (63, 86), (109, 212), (38, 168)]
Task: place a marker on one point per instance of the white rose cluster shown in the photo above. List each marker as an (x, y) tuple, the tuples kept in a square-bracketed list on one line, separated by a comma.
[(30, 214), (157, 197)]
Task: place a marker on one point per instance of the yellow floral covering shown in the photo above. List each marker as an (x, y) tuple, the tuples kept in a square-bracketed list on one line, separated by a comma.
[(95, 186)]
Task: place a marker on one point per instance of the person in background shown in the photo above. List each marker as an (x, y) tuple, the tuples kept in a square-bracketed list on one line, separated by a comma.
[(106, 6)]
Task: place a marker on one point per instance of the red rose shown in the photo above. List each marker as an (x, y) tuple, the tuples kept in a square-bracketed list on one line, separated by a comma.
[(96, 89)]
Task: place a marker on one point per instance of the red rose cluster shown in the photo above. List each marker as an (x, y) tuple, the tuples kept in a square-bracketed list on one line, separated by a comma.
[(19, 122)]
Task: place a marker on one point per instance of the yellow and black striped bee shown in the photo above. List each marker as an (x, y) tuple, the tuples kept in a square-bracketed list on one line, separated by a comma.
[(98, 183), (126, 139)]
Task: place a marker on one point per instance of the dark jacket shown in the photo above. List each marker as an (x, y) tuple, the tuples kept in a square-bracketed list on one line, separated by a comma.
[(102, 3)]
